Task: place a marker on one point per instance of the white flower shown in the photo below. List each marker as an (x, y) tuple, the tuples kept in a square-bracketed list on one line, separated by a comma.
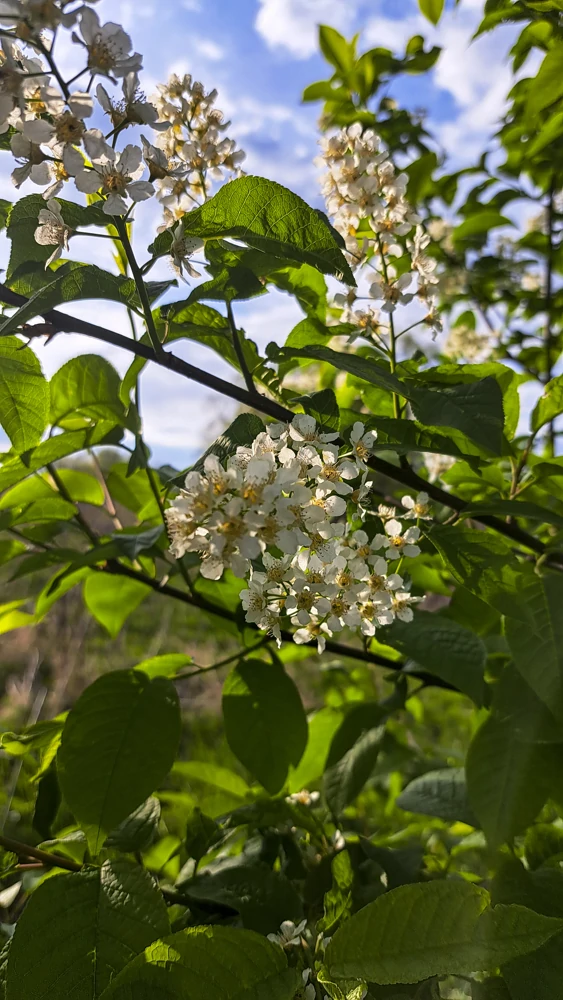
[(116, 175), (290, 934), (34, 163), (67, 127), (334, 474), (398, 544), (401, 605), (17, 80), (338, 840), (182, 248), (304, 798), (362, 442), (392, 292), (134, 109), (418, 508), (313, 631), (52, 230), (108, 46), (303, 428)]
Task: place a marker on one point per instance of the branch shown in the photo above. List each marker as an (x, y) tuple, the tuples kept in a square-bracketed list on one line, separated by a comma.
[(49, 860), (239, 351), (338, 648), (62, 323)]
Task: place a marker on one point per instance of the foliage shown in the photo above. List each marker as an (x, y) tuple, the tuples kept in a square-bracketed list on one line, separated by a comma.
[(380, 819)]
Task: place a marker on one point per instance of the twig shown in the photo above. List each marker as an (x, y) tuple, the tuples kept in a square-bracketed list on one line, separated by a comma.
[(49, 860), (239, 351), (69, 324), (339, 649)]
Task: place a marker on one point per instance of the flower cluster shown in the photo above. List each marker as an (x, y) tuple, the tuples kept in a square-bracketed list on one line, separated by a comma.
[(194, 149), (277, 516), (53, 139), (367, 201)]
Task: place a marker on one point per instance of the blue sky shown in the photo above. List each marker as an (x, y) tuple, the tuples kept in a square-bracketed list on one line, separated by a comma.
[(260, 54)]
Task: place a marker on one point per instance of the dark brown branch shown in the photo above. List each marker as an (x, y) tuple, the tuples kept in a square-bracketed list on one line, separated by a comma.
[(338, 648), (46, 859), (62, 323)]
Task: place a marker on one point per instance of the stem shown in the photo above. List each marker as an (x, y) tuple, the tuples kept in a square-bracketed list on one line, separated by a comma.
[(49, 57), (229, 659), (548, 335), (63, 323), (197, 601), (239, 351), (392, 337), (79, 517), (121, 227), (49, 860)]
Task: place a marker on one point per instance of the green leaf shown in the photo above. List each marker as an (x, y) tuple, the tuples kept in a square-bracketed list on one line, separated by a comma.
[(14, 469), (432, 9), (322, 727), (433, 929), (484, 563), (479, 224), (85, 389), (490, 989), (263, 898), (138, 831), (83, 487), (323, 407), (547, 86), (78, 930), (344, 781), (222, 963), (474, 408), (132, 543), (265, 724), (443, 647), (242, 431), (214, 775), (111, 599), (539, 973), (24, 394), (23, 221), (355, 364), (338, 899), (512, 508), (119, 742), (201, 833), (537, 645), (440, 793), (549, 405), (543, 842), (165, 665), (505, 780), (307, 285), (269, 217), (336, 50), (74, 282)]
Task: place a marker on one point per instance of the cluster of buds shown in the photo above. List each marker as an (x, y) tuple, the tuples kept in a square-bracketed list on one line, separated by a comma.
[(366, 199), (193, 150), (288, 515)]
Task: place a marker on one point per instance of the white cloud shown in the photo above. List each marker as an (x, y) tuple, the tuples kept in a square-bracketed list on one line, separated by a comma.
[(292, 24), (392, 33), (209, 49)]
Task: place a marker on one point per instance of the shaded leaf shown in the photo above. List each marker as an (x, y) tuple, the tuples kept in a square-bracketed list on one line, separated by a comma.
[(119, 742), (265, 724)]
